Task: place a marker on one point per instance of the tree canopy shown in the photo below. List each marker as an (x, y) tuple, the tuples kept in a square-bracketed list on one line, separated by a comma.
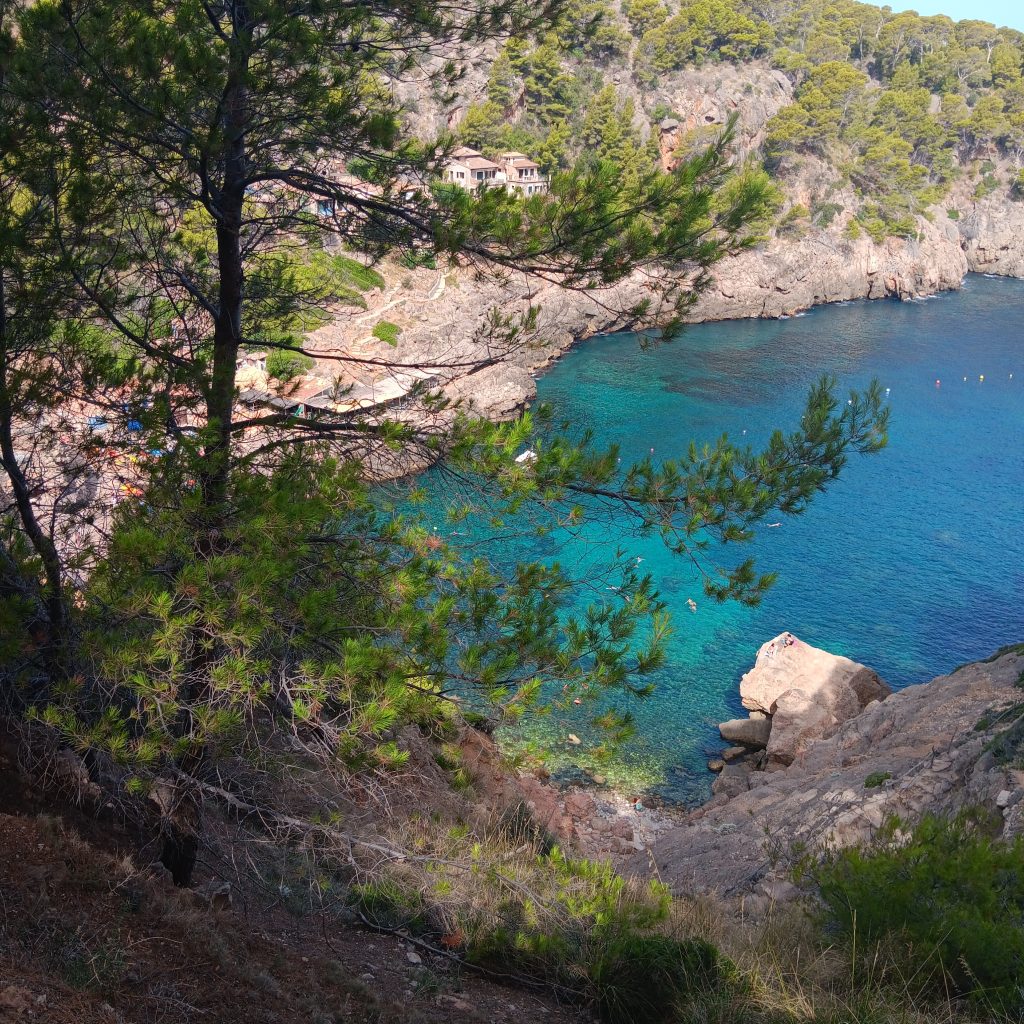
[(190, 573)]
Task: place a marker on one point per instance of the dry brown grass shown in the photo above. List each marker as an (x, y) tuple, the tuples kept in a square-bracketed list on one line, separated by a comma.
[(788, 972)]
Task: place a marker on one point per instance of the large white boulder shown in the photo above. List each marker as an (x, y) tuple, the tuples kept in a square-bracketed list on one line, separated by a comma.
[(837, 685)]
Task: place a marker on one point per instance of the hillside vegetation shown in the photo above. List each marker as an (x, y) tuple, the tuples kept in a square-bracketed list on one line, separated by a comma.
[(898, 105)]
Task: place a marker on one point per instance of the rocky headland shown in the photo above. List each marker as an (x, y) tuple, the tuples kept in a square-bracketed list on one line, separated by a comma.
[(835, 755)]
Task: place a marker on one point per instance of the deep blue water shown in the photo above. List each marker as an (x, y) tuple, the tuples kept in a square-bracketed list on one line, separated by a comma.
[(912, 562)]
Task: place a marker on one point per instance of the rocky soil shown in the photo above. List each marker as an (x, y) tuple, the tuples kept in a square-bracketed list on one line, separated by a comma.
[(93, 931)]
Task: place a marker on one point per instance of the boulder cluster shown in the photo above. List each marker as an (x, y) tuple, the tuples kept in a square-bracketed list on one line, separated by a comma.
[(795, 695)]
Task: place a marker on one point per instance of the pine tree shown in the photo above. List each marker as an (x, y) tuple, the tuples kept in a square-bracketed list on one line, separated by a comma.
[(253, 580)]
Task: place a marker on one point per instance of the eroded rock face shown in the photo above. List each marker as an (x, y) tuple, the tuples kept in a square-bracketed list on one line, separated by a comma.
[(787, 275), (703, 102), (993, 237), (921, 750), (798, 721)]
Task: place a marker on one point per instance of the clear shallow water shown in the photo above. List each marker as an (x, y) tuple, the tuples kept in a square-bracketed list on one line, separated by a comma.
[(913, 562)]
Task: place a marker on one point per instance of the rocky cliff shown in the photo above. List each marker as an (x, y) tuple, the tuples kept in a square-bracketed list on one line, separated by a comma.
[(936, 747), (817, 255), (992, 237), (782, 277), (788, 275)]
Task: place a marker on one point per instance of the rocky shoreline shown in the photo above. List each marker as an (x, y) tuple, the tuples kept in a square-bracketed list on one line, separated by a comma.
[(781, 278), (445, 318), (848, 755)]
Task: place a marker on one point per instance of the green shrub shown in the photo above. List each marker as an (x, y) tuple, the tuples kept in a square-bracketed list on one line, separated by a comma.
[(662, 111), (387, 904), (876, 779), (882, 223), (953, 214), (824, 213), (1017, 185), (645, 978), (1007, 745), (602, 940), (387, 332), (283, 364), (449, 758), (948, 895), (793, 223), (411, 260), (363, 277), (986, 186)]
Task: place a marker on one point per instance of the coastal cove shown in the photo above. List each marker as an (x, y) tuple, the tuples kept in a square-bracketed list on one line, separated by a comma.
[(913, 562)]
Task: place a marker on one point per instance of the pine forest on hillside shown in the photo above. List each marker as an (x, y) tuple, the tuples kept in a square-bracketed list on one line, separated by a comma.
[(897, 104)]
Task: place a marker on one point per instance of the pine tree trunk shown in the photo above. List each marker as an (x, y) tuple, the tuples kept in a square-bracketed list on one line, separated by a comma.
[(53, 590), (227, 337)]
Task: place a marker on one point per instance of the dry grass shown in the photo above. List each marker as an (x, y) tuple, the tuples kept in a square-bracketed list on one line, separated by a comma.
[(787, 972)]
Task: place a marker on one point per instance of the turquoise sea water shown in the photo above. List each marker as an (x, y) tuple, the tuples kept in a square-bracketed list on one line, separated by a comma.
[(913, 562)]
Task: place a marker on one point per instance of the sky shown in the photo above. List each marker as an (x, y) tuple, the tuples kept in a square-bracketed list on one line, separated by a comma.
[(1000, 12)]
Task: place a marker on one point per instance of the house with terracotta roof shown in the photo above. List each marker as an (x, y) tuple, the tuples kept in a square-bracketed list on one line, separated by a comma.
[(470, 169), (522, 173)]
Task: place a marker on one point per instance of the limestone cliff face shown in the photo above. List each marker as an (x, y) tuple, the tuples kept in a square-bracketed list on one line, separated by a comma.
[(992, 235), (702, 101), (784, 276), (787, 275), (813, 264)]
